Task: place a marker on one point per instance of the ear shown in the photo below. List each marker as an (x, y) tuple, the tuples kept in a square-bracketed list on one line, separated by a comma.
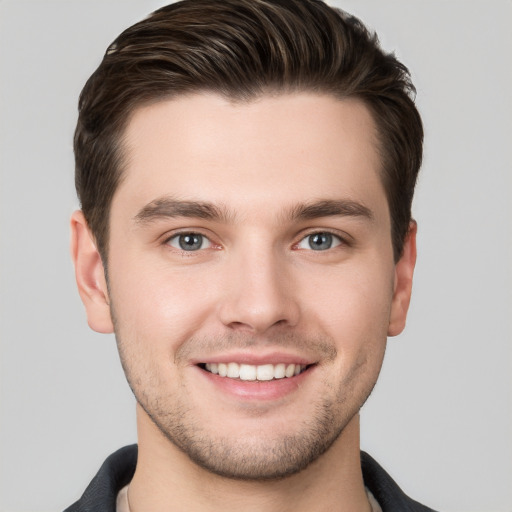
[(90, 275), (404, 271)]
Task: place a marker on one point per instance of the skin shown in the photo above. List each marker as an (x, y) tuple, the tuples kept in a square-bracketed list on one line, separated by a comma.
[(255, 291)]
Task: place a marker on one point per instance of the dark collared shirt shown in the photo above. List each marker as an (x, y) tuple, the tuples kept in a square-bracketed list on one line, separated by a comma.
[(117, 471)]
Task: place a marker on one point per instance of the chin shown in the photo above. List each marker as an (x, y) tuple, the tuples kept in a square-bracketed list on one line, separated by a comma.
[(253, 455)]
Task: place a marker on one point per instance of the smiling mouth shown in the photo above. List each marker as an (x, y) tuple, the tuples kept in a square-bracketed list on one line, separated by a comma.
[(249, 372)]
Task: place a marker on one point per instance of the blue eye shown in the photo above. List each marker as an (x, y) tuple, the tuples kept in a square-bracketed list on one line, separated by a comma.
[(321, 241), (189, 242)]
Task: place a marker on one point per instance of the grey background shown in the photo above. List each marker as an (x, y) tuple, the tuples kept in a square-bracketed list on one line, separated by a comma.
[(440, 419)]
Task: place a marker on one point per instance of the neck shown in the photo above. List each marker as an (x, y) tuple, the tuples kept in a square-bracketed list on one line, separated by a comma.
[(166, 477)]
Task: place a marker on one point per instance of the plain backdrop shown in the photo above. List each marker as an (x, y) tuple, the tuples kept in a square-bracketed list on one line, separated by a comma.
[(440, 418)]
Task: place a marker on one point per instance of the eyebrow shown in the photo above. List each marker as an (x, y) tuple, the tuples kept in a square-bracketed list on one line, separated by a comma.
[(168, 207), (331, 208)]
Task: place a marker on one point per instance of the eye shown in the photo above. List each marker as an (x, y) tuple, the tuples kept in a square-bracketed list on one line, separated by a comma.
[(189, 242), (321, 241)]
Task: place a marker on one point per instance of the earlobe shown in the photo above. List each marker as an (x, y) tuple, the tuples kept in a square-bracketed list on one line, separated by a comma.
[(404, 270), (90, 275)]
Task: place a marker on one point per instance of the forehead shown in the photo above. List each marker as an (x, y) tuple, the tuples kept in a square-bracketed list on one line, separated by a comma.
[(272, 150)]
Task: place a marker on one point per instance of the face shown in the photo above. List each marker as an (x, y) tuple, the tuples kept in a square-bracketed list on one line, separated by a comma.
[(251, 276)]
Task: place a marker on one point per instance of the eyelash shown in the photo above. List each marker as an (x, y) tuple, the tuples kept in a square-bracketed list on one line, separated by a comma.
[(336, 238), (176, 236)]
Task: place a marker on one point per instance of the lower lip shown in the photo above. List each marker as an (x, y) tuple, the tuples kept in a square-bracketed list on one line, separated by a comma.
[(257, 389)]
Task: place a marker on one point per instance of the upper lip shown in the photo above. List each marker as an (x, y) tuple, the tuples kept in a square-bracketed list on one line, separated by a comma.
[(255, 359)]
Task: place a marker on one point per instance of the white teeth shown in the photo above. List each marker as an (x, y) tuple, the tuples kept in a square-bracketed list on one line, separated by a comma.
[(253, 372), (265, 372), (233, 370), (290, 370), (279, 371), (247, 372)]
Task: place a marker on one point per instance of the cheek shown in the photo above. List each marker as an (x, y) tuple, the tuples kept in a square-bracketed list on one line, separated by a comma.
[(359, 297), (159, 307), (358, 319), (354, 309)]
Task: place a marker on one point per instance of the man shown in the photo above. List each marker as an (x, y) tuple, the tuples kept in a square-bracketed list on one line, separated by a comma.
[(246, 170)]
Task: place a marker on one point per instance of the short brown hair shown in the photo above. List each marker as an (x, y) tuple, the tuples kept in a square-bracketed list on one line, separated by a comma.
[(242, 49)]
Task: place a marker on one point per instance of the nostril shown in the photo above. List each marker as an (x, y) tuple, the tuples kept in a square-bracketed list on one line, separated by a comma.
[(240, 326)]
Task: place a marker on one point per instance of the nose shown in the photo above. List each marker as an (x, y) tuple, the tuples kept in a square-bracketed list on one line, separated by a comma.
[(258, 293)]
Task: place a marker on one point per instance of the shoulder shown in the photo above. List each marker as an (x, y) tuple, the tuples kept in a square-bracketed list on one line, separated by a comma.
[(385, 490), (113, 475)]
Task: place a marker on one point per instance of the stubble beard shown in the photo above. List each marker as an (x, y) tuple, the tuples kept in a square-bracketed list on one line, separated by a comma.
[(257, 457)]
